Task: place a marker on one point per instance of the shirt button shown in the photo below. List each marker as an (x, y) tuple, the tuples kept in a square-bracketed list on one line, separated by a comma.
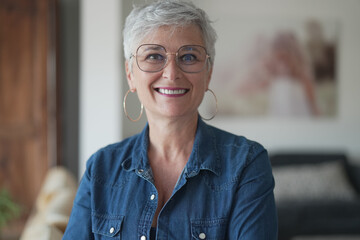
[(112, 230), (143, 238), (152, 197), (202, 236)]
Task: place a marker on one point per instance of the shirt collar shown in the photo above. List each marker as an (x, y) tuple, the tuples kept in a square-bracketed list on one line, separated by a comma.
[(204, 155), (138, 159)]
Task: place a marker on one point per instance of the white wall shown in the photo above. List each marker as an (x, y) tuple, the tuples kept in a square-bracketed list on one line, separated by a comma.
[(100, 76), (103, 83)]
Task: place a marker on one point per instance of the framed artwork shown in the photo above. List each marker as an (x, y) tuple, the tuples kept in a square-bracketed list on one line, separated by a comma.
[(276, 67)]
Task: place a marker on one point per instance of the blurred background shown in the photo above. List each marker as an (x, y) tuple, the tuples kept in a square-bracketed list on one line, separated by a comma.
[(286, 75)]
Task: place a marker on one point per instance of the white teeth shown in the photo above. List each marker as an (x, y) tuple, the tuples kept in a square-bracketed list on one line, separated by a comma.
[(169, 92)]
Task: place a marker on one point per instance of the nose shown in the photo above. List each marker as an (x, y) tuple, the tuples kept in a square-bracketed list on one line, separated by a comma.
[(171, 69)]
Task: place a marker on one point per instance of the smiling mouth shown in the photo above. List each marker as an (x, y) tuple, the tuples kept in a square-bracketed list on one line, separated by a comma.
[(172, 92)]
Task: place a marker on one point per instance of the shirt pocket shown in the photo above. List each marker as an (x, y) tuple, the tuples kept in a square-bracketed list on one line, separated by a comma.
[(208, 229), (105, 226)]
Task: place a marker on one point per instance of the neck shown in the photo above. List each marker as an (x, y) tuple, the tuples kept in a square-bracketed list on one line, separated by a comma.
[(172, 140)]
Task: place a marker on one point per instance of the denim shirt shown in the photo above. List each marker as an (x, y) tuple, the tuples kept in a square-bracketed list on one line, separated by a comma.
[(225, 191)]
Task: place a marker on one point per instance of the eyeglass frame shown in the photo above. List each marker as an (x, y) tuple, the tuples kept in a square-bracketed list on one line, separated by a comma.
[(170, 53)]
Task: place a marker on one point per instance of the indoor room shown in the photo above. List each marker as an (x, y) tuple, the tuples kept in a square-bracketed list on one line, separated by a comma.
[(285, 75)]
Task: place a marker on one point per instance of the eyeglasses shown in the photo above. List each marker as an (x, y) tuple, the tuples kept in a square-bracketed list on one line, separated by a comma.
[(153, 58)]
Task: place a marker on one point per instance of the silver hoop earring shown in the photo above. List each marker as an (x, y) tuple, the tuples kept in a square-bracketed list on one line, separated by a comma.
[(126, 113), (216, 109)]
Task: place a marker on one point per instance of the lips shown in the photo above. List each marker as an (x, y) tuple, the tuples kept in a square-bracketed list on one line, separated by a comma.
[(173, 92)]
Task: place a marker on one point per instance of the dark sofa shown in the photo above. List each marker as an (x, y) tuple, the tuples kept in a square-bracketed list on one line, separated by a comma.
[(332, 207)]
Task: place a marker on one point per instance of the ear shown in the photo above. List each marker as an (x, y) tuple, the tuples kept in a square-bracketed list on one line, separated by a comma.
[(129, 76)]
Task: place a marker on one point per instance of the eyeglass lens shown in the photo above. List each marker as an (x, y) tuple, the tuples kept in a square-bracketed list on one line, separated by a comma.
[(153, 58)]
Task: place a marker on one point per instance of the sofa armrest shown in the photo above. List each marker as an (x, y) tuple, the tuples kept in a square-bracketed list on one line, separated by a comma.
[(298, 158), (354, 176)]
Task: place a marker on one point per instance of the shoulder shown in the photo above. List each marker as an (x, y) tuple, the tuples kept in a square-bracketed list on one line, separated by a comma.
[(112, 156), (235, 157), (236, 147)]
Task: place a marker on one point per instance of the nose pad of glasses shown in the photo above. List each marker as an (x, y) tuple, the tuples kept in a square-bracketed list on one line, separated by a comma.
[(175, 59)]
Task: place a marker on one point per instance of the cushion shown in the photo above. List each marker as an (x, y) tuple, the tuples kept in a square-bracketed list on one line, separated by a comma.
[(317, 182), (37, 229), (53, 206)]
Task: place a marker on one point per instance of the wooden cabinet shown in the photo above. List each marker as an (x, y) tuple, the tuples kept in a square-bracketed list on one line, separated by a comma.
[(28, 96)]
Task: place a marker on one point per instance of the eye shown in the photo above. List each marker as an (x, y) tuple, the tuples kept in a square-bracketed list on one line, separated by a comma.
[(154, 57), (188, 58)]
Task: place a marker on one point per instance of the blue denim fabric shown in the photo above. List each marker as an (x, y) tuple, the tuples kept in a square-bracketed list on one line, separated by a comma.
[(224, 192)]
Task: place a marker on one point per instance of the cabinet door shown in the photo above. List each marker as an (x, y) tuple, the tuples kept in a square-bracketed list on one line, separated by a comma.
[(28, 99)]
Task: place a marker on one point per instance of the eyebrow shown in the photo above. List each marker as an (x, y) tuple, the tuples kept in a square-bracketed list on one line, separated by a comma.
[(190, 47), (154, 47)]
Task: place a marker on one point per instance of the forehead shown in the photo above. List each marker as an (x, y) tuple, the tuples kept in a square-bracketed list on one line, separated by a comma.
[(172, 38)]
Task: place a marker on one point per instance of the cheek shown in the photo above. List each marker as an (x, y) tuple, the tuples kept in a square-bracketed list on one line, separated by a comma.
[(139, 80), (143, 83), (204, 81)]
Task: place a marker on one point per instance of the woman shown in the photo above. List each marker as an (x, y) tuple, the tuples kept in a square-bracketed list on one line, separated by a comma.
[(179, 178)]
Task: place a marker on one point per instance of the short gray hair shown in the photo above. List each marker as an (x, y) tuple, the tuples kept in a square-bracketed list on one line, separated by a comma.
[(145, 19)]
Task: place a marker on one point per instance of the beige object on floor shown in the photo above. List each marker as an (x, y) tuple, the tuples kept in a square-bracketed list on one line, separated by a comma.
[(53, 207)]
